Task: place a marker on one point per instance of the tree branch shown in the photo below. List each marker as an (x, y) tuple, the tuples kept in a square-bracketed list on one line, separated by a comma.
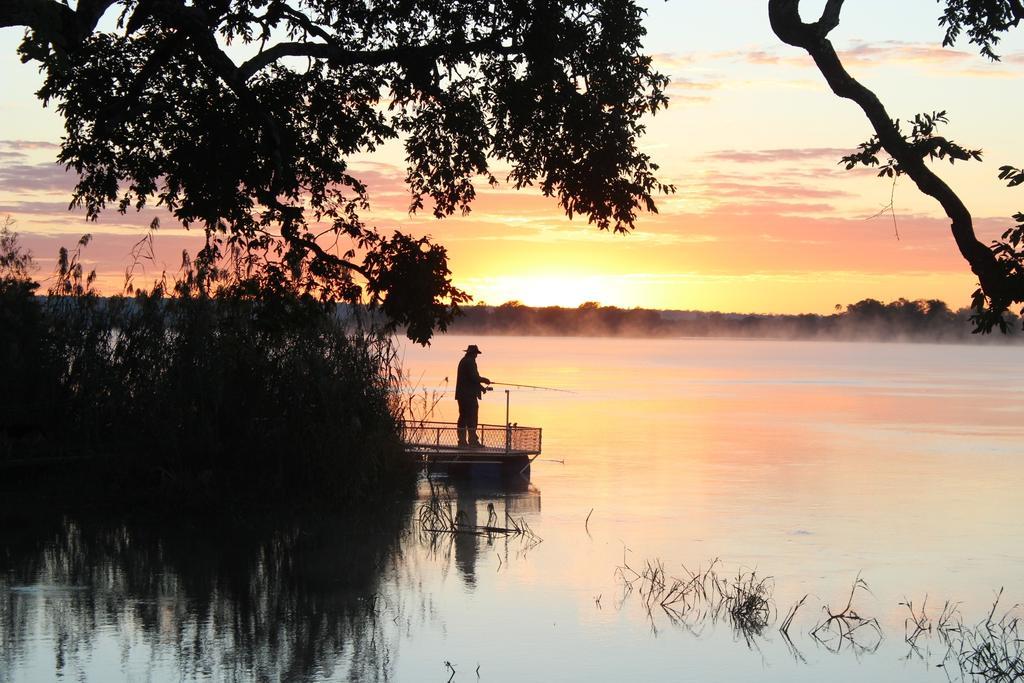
[(193, 22), (121, 109), (305, 23), (785, 20), (1017, 9), (343, 57), (830, 17), (321, 253), (291, 218), (90, 11), (54, 22), (35, 14)]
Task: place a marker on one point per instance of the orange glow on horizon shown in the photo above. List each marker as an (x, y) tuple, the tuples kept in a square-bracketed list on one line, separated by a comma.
[(783, 293)]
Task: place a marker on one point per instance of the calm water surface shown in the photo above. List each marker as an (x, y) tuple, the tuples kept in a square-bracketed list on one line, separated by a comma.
[(807, 462)]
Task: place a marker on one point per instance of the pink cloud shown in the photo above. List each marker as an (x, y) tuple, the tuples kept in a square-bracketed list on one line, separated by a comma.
[(859, 53), (674, 60), (28, 144), (682, 83), (775, 155), (763, 238), (683, 89), (891, 52), (44, 177)]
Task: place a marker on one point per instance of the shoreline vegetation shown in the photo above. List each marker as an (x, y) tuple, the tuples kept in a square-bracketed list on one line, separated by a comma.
[(209, 390), (866, 320)]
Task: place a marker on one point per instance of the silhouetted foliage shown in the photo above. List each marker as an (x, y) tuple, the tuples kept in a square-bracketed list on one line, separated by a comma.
[(252, 143), (16, 264), (21, 329), (999, 266), (207, 388), (982, 20)]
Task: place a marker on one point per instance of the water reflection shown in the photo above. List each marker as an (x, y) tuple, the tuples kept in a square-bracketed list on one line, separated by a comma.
[(481, 507), (220, 599), (229, 599)]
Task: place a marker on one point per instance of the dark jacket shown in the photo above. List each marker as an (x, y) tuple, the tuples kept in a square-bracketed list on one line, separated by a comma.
[(468, 382)]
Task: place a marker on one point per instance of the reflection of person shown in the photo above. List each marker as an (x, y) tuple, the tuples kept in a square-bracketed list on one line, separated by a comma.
[(468, 390), (466, 544)]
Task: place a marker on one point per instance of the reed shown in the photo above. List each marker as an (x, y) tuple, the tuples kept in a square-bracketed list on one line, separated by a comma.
[(950, 621), (787, 622), (748, 601), (992, 650), (210, 387), (439, 515), (745, 600), (846, 627), (917, 623)]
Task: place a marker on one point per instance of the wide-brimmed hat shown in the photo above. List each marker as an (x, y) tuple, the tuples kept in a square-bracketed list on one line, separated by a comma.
[(473, 348)]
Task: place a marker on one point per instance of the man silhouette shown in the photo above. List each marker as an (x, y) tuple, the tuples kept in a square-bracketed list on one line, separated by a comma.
[(468, 391)]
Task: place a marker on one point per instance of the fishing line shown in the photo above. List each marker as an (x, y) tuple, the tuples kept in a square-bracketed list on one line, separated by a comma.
[(531, 386)]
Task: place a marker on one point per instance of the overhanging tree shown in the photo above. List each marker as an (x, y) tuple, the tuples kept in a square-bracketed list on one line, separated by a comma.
[(1000, 266), (240, 116)]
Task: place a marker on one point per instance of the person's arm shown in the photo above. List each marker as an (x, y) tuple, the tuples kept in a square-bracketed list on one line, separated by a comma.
[(479, 378)]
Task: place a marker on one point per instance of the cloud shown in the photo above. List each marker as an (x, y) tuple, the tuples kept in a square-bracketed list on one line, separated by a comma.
[(781, 208), (791, 276), (44, 177), (54, 217), (859, 53), (899, 52), (853, 54), (762, 57), (44, 208), (674, 60), (781, 191), (761, 156), (683, 83), (687, 89), (381, 179), (926, 56), (28, 144), (557, 235)]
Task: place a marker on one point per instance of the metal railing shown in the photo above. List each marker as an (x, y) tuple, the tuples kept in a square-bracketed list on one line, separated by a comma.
[(445, 436)]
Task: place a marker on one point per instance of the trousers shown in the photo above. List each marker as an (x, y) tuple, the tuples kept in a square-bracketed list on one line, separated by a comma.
[(469, 412)]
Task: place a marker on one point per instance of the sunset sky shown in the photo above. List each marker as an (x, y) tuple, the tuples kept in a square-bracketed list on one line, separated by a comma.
[(764, 219)]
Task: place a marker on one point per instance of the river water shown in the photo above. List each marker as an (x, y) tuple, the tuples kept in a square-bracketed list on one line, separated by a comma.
[(803, 464)]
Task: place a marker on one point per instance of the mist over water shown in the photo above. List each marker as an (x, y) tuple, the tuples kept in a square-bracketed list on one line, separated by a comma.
[(867, 320), (809, 462)]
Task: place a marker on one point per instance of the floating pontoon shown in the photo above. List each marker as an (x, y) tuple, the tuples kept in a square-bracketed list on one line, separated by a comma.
[(509, 447)]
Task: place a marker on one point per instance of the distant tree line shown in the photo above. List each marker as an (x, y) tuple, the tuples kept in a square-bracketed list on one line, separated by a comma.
[(868, 319)]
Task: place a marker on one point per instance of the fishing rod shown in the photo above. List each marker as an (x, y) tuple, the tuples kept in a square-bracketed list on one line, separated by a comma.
[(531, 386)]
